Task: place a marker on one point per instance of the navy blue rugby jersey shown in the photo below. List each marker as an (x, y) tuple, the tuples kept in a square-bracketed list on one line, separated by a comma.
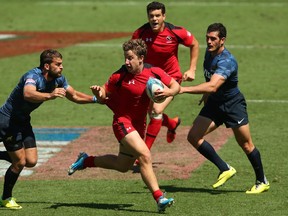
[(16, 107), (225, 65)]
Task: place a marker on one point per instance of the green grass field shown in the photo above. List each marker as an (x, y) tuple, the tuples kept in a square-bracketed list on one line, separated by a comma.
[(257, 36)]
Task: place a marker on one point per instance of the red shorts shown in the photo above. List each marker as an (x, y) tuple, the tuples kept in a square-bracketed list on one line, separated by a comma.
[(123, 126)]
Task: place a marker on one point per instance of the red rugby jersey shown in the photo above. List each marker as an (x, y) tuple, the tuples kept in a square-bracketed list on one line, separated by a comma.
[(128, 91), (163, 46)]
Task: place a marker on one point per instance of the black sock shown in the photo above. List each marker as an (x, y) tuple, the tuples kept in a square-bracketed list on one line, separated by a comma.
[(255, 160), (9, 182), (209, 152), (5, 156)]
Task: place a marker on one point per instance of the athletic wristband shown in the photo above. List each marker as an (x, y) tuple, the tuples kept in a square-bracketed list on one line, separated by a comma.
[(95, 99)]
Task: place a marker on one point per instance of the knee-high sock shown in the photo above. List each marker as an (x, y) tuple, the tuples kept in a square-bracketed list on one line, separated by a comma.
[(168, 122), (153, 129), (209, 152), (157, 194), (9, 183), (255, 160), (5, 156)]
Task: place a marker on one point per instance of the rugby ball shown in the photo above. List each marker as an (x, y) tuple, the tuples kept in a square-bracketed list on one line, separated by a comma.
[(152, 85)]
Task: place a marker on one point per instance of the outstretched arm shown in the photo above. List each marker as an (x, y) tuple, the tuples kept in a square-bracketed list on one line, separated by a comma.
[(79, 97), (189, 75), (208, 87)]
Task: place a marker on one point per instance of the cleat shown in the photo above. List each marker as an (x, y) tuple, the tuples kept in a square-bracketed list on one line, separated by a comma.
[(163, 203), (258, 188), (224, 176), (78, 164), (171, 134), (10, 203)]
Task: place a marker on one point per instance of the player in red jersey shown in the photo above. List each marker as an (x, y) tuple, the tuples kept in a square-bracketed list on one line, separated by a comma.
[(125, 94), (162, 39)]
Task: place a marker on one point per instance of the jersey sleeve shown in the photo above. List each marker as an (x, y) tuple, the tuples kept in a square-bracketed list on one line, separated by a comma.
[(30, 79), (162, 75), (225, 68), (62, 82), (186, 37), (111, 84)]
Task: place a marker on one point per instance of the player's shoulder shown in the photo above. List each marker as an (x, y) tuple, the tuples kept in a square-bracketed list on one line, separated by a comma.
[(227, 55), (173, 27), (152, 68), (142, 29), (154, 71), (34, 73), (118, 76)]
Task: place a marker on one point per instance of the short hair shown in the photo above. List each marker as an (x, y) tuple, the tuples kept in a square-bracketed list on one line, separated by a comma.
[(218, 27), (137, 46), (47, 56), (156, 6)]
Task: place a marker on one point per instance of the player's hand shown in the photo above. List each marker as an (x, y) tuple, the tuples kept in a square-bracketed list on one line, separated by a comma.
[(189, 75), (58, 92), (96, 90)]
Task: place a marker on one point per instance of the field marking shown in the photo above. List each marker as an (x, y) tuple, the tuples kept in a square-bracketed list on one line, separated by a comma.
[(7, 36), (267, 101), (49, 142), (44, 154), (174, 4), (106, 45)]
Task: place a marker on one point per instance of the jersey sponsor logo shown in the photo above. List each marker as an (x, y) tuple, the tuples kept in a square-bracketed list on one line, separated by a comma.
[(131, 82), (239, 122), (30, 81), (207, 74), (168, 39), (148, 39), (128, 128)]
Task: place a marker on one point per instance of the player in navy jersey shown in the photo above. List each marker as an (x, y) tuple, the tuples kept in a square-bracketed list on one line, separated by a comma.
[(40, 84), (163, 39), (223, 103), (125, 94)]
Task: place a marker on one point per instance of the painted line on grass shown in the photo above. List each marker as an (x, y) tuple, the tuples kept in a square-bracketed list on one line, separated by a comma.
[(267, 101), (174, 4), (109, 45), (7, 36), (49, 142)]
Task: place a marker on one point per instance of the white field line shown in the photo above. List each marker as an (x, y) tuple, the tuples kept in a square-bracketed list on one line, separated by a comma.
[(267, 101), (106, 45), (174, 3), (7, 36), (44, 154)]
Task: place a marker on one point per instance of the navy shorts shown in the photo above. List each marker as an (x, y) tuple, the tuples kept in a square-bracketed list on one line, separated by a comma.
[(16, 135), (233, 112)]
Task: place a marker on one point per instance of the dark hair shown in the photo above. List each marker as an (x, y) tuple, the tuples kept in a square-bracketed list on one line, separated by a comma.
[(217, 27), (48, 55), (156, 6), (138, 46)]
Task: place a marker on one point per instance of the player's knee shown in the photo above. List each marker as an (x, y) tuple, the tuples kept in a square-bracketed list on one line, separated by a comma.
[(247, 147), (123, 169), (193, 139), (18, 166), (31, 162), (145, 158)]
